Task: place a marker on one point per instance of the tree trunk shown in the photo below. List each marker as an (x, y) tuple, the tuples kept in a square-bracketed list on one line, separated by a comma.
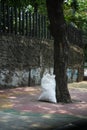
[(58, 31)]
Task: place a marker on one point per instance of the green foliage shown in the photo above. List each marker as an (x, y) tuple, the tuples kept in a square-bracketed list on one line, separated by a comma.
[(74, 10), (18, 3), (32, 5), (80, 15)]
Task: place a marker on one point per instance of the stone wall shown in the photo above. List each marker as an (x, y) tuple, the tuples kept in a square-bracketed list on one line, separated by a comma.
[(23, 60), (76, 61)]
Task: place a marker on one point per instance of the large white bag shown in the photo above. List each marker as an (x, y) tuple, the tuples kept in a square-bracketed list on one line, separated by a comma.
[(48, 85)]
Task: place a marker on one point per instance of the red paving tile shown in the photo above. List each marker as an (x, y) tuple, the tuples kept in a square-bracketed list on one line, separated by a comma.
[(26, 99)]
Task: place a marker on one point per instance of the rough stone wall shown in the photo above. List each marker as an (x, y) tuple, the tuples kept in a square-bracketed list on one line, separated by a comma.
[(23, 60), (22, 52), (18, 52), (76, 56), (76, 61)]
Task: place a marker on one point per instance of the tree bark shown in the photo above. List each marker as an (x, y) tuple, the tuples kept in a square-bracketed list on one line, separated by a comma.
[(58, 31)]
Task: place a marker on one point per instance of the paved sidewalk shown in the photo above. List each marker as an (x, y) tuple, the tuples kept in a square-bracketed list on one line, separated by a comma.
[(13, 120), (21, 110)]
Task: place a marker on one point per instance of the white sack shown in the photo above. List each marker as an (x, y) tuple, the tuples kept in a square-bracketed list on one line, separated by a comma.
[(48, 85)]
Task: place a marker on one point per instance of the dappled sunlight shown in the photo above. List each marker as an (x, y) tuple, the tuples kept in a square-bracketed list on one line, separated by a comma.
[(2, 91), (77, 49), (63, 111), (48, 116), (25, 100), (6, 118), (80, 106), (12, 97), (44, 107), (36, 125), (26, 90), (5, 101), (5, 104), (3, 96), (70, 109), (28, 121), (80, 85)]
